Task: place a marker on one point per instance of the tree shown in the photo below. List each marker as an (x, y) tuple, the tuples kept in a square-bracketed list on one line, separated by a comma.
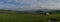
[(9, 10)]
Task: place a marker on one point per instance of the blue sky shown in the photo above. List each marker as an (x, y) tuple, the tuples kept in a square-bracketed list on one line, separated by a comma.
[(29, 4)]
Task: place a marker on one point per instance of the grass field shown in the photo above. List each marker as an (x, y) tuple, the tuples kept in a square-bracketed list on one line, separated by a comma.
[(27, 17), (19, 18)]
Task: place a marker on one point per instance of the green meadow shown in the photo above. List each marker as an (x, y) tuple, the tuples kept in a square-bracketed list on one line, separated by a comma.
[(13, 16), (19, 18)]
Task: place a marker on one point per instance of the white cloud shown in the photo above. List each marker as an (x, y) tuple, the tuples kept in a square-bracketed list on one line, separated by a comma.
[(32, 4)]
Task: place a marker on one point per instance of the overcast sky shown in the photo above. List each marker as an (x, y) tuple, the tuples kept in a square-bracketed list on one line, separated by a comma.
[(29, 4)]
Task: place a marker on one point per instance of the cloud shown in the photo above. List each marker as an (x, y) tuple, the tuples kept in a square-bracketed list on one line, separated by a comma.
[(29, 4), (50, 4)]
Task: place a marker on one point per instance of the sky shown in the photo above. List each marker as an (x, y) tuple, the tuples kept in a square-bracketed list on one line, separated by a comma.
[(29, 4)]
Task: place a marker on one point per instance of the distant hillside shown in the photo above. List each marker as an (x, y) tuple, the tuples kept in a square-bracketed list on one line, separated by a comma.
[(28, 11)]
